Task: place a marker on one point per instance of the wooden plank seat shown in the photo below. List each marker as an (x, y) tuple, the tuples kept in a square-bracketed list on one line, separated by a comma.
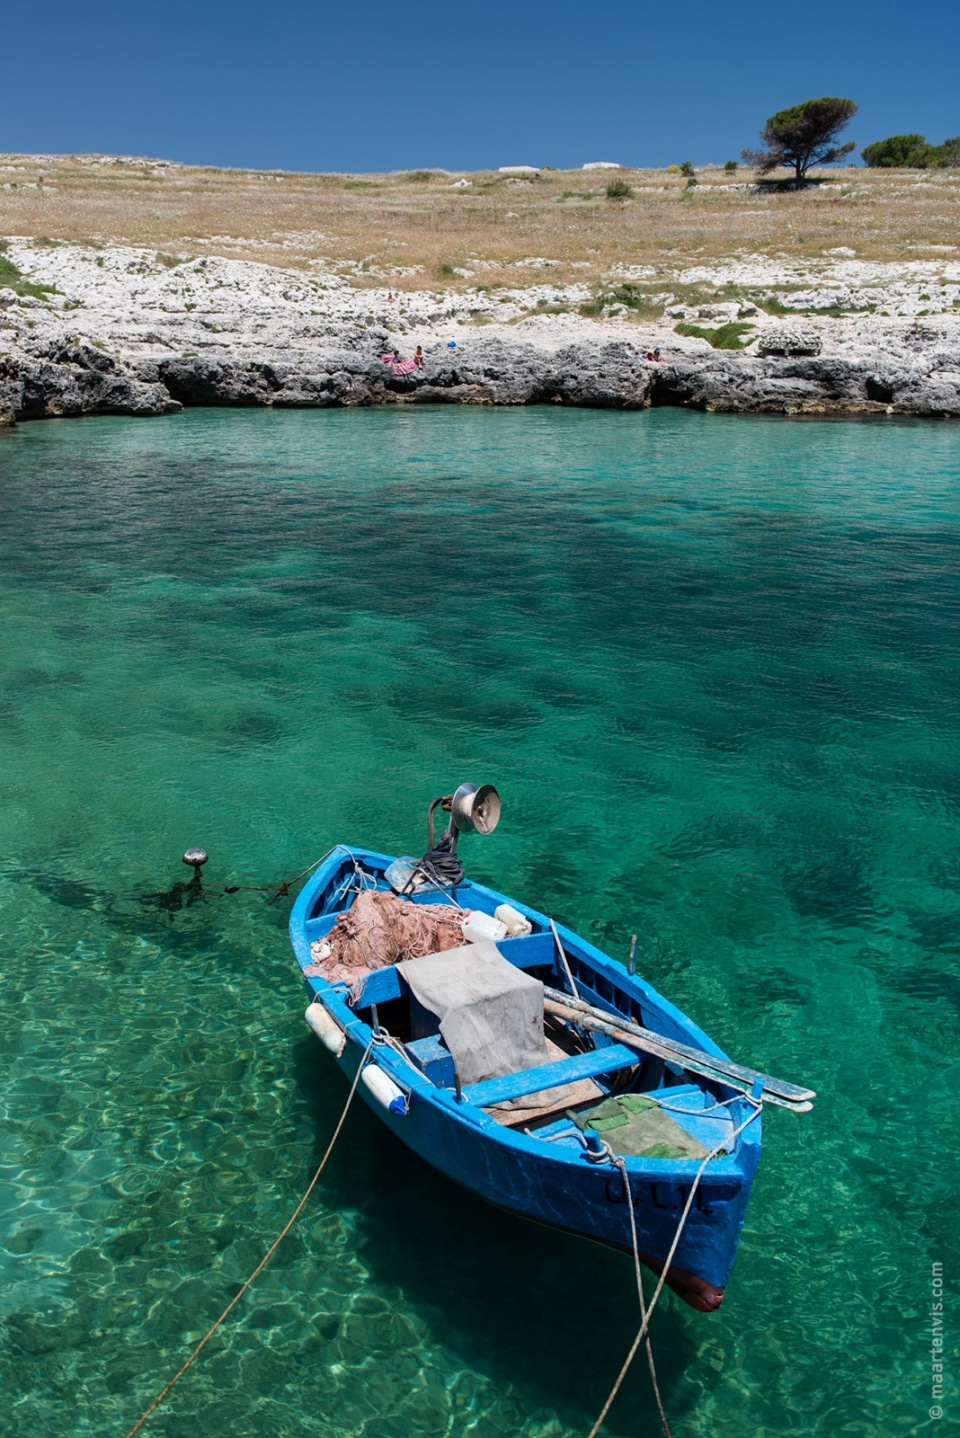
[(544, 1076)]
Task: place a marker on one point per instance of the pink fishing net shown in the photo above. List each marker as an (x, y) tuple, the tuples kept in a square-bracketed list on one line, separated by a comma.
[(381, 929)]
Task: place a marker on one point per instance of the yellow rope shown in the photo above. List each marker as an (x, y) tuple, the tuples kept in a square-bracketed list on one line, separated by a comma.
[(264, 1260)]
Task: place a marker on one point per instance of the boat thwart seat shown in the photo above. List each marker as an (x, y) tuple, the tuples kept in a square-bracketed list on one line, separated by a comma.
[(552, 1075)]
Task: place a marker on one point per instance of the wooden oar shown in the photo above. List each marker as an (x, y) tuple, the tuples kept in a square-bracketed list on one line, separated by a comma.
[(776, 1091)]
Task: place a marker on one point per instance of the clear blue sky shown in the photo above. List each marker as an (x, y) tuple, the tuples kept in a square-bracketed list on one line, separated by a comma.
[(376, 86)]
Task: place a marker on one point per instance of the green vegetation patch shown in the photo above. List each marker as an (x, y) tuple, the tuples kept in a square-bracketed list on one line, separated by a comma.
[(911, 152), (618, 190), (627, 294), (11, 278), (727, 337)]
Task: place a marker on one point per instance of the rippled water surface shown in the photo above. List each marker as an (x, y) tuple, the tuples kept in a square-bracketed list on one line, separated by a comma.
[(712, 665)]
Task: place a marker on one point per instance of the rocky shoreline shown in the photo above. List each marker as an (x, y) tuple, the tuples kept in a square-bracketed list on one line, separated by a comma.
[(120, 332)]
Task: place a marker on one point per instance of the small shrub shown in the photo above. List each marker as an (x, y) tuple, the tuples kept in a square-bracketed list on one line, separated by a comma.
[(420, 176), (731, 165), (726, 337), (774, 306), (627, 294), (11, 278), (633, 297), (687, 169), (169, 262), (618, 190), (445, 272), (673, 169)]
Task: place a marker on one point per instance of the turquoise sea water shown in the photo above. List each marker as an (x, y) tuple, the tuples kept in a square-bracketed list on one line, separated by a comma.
[(712, 665)]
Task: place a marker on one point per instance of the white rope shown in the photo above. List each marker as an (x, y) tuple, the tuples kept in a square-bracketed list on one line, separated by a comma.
[(757, 1106), (621, 1164)]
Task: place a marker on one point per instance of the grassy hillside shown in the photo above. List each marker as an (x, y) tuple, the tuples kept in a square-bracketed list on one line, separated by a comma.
[(417, 229)]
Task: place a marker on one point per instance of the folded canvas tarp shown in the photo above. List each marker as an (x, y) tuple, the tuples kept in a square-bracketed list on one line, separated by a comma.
[(490, 1012)]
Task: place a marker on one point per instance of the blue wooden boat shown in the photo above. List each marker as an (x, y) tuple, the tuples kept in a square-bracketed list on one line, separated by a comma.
[(548, 1164)]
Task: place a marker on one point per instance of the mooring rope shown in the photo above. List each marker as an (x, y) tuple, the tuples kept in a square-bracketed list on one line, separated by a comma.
[(267, 1256), (620, 1162), (645, 1324)]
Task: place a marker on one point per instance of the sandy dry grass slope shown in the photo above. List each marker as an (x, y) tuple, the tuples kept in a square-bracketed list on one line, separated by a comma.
[(424, 229)]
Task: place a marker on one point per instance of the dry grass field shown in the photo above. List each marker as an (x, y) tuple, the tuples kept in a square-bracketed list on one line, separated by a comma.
[(418, 229)]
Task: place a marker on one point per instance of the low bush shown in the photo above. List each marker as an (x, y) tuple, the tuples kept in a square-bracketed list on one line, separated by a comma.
[(731, 165), (12, 279), (627, 294), (726, 337), (445, 272), (618, 190)]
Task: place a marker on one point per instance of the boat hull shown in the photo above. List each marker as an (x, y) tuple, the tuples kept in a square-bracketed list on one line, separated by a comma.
[(556, 1183)]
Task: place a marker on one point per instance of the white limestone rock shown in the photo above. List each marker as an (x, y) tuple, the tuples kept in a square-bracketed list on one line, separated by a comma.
[(790, 340)]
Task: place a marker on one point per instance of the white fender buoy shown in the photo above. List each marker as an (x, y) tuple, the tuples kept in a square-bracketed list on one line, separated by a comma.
[(384, 1090), (326, 1028)]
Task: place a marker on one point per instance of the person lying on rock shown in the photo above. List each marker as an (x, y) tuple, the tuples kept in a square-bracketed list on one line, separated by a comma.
[(398, 365)]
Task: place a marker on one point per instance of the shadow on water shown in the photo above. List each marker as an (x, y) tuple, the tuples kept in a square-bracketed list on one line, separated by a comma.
[(548, 1312)]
